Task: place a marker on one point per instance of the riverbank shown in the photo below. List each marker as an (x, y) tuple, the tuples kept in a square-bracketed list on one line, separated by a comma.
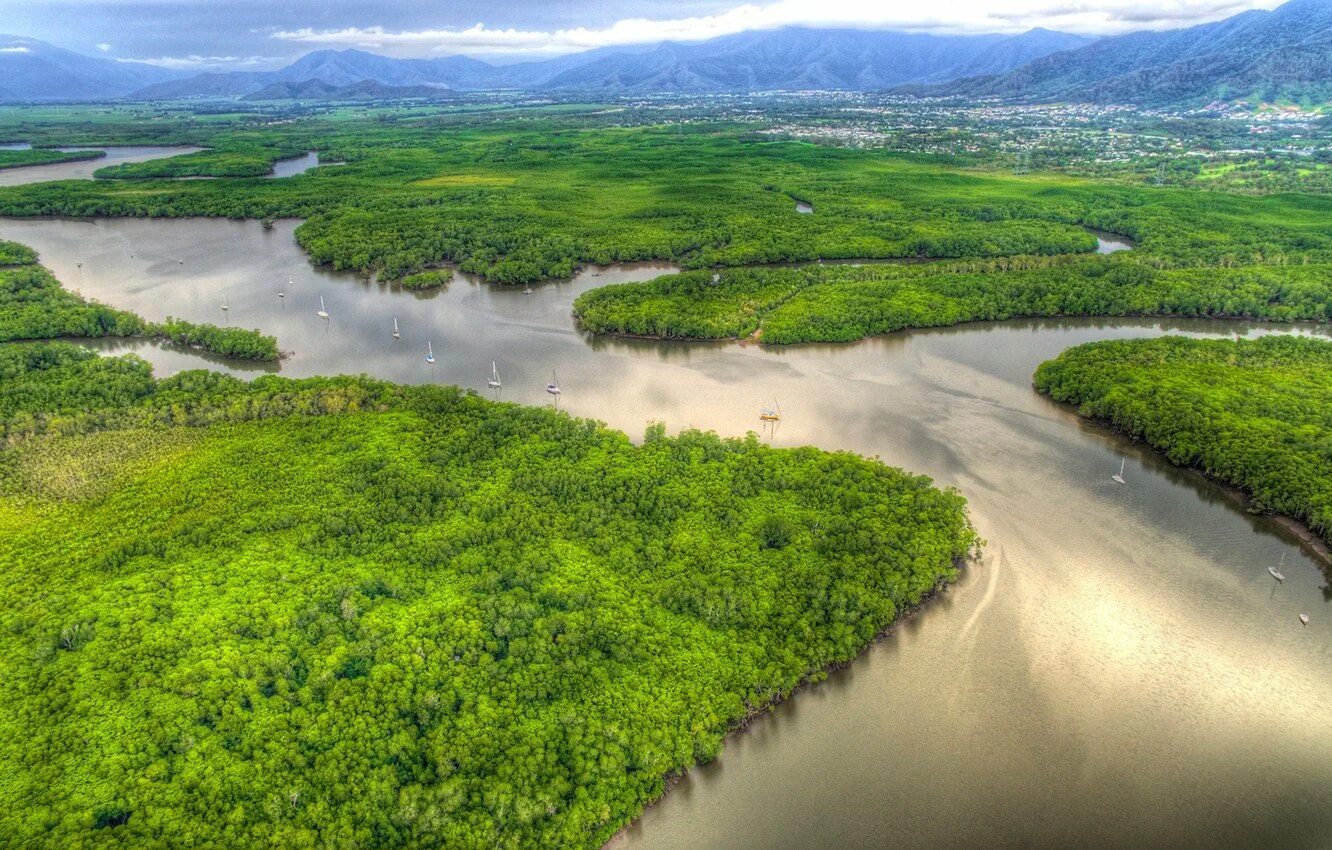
[(44, 156), (813, 678), (1252, 415), (35, 306)]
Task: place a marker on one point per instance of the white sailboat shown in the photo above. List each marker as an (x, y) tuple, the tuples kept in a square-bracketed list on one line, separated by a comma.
[(430, 354), (1304, 618), (771, 412), (527, 290), (554, 386), (1276, 571), (323, 313), (225, 308), (494, 380), (396, 335), (1118, 477)]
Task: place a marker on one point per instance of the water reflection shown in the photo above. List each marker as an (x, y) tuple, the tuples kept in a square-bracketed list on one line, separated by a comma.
[(1117, 670)]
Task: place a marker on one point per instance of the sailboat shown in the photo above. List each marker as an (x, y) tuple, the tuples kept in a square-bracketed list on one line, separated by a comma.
[(1304, 618), (554, 386), (1118, 477), (527, 290), (494, 376), (1276, 571), (430, 354), (396, 335), (225, 308), (323, 313), (771, 412)]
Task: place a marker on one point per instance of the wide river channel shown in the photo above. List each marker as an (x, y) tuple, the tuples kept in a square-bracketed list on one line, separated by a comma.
[(1119, 669)]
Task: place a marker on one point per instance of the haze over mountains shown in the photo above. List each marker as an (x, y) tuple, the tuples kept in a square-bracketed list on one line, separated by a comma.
[(35, 70), (785, 59), (1285, 54)]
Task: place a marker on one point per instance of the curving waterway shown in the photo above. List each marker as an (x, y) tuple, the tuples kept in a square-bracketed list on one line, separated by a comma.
[(1118, 670), (83, 169)]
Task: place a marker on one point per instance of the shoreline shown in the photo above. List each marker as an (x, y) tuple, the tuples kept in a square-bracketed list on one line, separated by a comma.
[(1310, 542), (815, 676)]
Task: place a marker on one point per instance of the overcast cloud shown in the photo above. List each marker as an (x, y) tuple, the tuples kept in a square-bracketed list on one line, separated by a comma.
[(251, 34)]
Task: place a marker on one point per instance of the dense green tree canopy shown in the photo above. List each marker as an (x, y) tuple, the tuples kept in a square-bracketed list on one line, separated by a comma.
[(522, 198), (340, 612), (842, 303)]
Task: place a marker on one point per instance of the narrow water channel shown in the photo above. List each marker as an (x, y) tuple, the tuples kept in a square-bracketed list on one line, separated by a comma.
[(1118, 670)]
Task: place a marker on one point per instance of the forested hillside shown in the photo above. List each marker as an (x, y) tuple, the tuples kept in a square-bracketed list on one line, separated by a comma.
[(1256, 414), (340, 612), (1281, 56)]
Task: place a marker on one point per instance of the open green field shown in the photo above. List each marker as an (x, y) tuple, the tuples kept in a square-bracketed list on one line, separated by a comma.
[(340, 612)]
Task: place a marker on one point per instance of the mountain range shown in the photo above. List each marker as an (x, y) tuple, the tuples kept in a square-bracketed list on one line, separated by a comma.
[(32, 70), (783, 59), (1284, 54)]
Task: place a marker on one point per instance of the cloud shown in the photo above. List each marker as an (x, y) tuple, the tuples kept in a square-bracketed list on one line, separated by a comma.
[(104, 47), (19, 49), (195, 62), (961, 16)]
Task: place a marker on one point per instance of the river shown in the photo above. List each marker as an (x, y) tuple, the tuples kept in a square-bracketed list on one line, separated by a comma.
[(83, 170), (1119, 669)]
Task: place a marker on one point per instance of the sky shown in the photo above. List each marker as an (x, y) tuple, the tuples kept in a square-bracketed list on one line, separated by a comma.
[(264, 34)]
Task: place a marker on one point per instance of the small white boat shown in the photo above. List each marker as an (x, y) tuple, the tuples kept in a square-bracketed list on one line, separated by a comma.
[(554, 386), (1118, 477), (396, 335), (225, 308), (494, 379), (1304, 618), (527, 290), (182, 262), (323, 312), (430, 354), (771, 412), (1276, 571), (282, 295)]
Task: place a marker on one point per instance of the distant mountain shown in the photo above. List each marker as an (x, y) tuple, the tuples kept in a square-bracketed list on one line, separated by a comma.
[(362, 90), (32, 70), (799, 58), (1284, 54), (782, 59)]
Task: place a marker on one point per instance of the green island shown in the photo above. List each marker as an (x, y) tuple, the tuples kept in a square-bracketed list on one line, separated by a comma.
[(343, 612), (432, 279), (44, 156), (840, 303), (34, 306), (1252, 413)]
